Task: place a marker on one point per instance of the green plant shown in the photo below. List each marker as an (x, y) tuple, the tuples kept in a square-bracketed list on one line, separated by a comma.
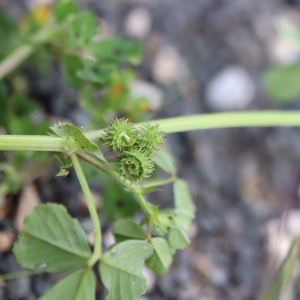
[(62, 34), (52, 241)]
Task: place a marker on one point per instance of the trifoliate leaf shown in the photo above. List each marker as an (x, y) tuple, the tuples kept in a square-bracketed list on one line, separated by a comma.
[(64, 162), (79, 285), (162, 256), (77, 140), (126, 229), (51, 238), (184, 204), (121, 269)]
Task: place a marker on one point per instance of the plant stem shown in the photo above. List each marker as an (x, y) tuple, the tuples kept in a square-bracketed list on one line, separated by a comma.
[(93, 212), (142, 202), (135, 189), (179, 124), (15, 59), (112, 173), (33, 143), (219, 120), (158, 182)]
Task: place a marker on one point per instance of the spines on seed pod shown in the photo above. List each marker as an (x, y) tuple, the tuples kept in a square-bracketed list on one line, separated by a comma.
[(136, 165), (150, 139), (120, 135)]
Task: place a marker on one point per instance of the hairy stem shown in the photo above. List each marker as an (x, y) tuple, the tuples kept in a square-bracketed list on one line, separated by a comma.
[(112, 173), (33, 143), (93, 212)]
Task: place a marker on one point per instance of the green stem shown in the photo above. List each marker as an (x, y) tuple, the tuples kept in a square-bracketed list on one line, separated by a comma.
[(135, 189), (93, 212), (33, 143), (112, 173), (158, 182), (143, 203), (11, 62), (179, 124), (219, 120)]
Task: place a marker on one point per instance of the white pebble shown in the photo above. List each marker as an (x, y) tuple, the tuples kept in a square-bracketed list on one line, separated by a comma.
[(231, 89)]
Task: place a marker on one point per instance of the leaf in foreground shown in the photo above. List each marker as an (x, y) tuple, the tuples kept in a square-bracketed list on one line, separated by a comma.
[(184, 205), (79, 285), (51, 239), (162, 257), (121, 269)]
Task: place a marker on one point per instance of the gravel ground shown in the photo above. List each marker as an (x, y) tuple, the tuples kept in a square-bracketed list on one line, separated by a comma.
[(202, 56)]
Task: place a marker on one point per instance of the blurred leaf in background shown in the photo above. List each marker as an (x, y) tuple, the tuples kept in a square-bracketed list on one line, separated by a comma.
[(282, 82)]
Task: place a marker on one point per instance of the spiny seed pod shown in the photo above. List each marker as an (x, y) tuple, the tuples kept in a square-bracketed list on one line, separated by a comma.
[(135, 165), (119, 135), (150, 139)]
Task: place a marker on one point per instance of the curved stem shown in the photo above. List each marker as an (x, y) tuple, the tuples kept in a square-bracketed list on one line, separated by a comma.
[(112, 173), (93, 212), (219, 120), (179, 124)]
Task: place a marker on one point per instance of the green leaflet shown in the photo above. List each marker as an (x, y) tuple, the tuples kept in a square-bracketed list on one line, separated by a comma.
[(116, 51), (63, 9), (126, 229), (177, 237), (79, 285), (165, 161), (77, 141), (121, 269), (162, 257), (51, 239), (184, 204)]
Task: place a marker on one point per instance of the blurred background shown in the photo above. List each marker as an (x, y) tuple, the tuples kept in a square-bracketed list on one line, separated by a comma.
[(196, 56)]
